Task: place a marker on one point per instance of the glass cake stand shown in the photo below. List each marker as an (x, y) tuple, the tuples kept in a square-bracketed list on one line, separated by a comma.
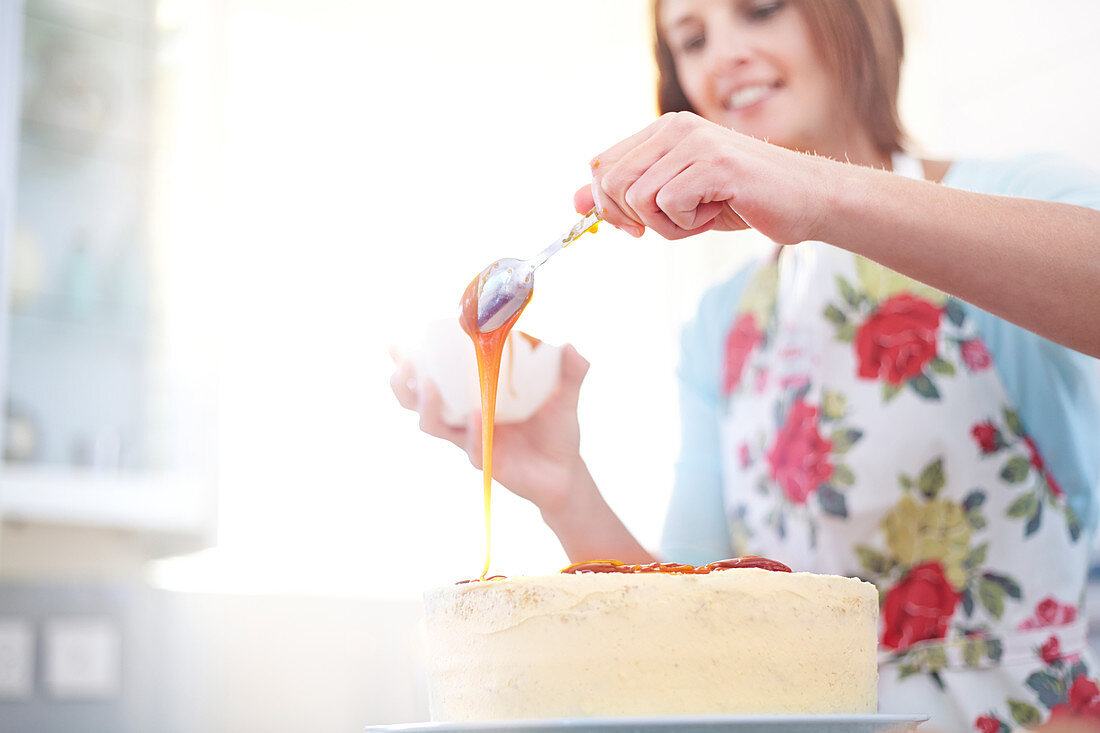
[(677, 724)]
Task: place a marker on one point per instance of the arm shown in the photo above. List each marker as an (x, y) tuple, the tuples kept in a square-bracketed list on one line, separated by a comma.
[(1031, 262), (588, 528), (539, 460), (696, 530), (1034, 263)]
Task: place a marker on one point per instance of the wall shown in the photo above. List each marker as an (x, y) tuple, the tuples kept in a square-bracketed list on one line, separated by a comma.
[(224, 663), (285, 664)]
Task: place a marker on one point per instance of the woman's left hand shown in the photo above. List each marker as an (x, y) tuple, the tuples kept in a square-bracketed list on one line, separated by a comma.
[(683, 175)]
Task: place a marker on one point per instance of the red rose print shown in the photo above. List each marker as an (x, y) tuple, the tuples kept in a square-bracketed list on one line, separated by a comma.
[(898, 339), (1037, 461), (919, 607), (1083, 701), (1033, 450), (762, 376), (975, 355), (795, 381), (744, 456), (743, 337), (1051, 650), (987, 436), (799, 459), (1082, 692), (987, 724), (1055, 487), (1049, 612)]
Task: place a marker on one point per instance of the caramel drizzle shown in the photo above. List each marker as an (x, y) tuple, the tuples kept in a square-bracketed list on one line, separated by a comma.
[(489, 348), (478, 580), (535, 343), (665, 568), (671, 568)]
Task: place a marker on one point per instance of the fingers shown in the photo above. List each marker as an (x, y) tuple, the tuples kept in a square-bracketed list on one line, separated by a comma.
[(574, 367), (403, 383), (616, 151), (582, 199), (430, 407), (649, 195), (583, 202), (729, 221), (614, 214), (473, 443), (697, 196), (687, 197), (628, 179), (422, 396), (612, 185), (614, 209)]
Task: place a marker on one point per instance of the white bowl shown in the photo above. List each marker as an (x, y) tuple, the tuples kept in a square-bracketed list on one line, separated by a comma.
[(529, 371)]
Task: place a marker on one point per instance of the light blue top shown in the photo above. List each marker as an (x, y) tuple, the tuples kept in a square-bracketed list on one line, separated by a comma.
[(1056, 389)]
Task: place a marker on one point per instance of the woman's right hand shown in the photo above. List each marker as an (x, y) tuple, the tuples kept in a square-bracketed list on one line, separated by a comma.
[(538, 459), (683, 175)]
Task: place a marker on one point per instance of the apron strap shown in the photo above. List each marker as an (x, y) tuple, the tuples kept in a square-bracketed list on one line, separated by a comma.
[(906, 165)]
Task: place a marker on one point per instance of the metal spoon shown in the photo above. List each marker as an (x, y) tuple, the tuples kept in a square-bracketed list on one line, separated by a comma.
[(506, 284)]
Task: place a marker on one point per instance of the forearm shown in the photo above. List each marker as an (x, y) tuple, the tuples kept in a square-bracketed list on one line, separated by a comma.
[(589, 529), (1034, 263)]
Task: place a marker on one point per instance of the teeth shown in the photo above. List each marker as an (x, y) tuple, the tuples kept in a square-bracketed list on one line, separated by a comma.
[(748, 95)]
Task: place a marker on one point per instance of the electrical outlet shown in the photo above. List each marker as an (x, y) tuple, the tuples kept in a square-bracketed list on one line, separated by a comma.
[(16, 658), (83, 658)]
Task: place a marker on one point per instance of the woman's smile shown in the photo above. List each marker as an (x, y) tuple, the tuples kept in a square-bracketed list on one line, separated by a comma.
[(750, 96), (752, 66)]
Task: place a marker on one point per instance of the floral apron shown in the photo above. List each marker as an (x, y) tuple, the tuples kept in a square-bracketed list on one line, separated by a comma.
[(868, 434)]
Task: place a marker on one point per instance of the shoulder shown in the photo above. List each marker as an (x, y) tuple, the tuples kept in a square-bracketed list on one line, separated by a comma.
[(719, 300), (719, 303), (1044, 176), (702, 338)]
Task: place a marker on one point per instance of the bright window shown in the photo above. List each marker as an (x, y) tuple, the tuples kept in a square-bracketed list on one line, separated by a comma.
[(376, 156)]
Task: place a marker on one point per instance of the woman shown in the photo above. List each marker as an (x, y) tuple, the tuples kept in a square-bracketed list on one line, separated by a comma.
[(838, 415)]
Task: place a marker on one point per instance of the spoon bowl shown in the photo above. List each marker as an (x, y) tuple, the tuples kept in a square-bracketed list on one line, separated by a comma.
[(506, 285)]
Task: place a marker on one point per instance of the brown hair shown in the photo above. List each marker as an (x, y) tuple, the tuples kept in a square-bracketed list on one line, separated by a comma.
[(862, 44)]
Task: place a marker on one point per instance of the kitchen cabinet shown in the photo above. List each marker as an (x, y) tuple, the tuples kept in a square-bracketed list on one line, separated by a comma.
[(106, 371)]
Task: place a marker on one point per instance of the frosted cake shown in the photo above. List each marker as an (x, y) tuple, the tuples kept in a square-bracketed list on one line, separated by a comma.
[(605, 639)]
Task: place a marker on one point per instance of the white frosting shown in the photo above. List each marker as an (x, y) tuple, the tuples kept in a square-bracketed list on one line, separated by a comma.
[(744, 641)]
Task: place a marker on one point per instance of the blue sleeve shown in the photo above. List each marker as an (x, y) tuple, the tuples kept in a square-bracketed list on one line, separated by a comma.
[(1056, 389), (696, 531), (1057, 394), (1051, 178)]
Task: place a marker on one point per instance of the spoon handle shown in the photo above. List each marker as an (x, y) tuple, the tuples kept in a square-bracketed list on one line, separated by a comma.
[(590, 220)]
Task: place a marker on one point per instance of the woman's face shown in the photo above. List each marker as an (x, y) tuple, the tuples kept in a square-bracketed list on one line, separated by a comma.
[(751, 65)]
